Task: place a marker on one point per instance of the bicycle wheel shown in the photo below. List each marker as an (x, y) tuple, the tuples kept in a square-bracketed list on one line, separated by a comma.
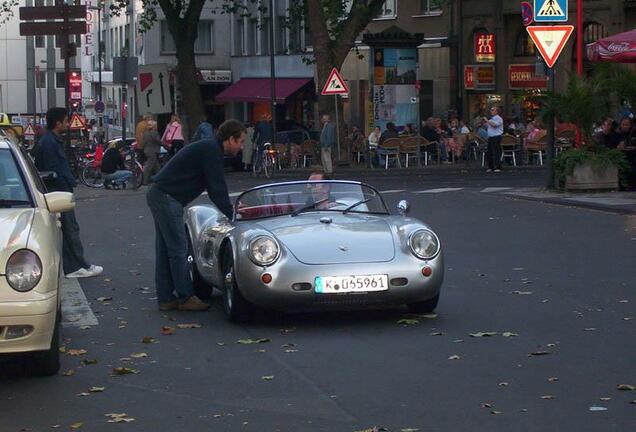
[(91, 177), (257, 165), (269, 165)]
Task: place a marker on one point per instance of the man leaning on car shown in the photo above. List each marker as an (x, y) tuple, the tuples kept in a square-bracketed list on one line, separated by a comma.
[(50, 156)]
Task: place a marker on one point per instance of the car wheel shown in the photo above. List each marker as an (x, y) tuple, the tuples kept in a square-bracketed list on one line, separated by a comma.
[(425, 306), (201, 288), (237, 308), (46, 363)]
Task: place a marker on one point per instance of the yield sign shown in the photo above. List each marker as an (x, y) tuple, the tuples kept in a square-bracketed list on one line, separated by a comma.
[(77, 122), (550, 40), (335, 85)]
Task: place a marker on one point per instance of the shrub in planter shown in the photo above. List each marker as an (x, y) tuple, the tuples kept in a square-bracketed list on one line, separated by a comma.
[(600, 160)]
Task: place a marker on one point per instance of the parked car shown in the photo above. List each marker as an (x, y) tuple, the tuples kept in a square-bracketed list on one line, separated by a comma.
[(313, 245), (30, 262)]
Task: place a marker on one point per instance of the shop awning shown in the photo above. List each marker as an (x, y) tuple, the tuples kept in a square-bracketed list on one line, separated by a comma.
[(620, 48), (259, 89)]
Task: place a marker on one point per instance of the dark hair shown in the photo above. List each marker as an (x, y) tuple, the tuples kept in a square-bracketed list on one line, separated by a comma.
[(324, 175), (390, 125), (55, 115), (231, 128)]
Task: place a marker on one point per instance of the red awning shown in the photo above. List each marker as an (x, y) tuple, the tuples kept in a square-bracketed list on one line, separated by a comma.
[(259, 89), (620, 48)]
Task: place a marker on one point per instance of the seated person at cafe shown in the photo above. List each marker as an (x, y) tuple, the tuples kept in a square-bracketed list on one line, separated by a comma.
[(408, 130), (627, 144), (390, 132), (113, 168), (562, 126), (534, 136), (607, 136), (432, 134)]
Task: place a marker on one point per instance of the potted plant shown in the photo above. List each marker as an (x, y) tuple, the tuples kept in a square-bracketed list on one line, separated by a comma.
[(590, 167)]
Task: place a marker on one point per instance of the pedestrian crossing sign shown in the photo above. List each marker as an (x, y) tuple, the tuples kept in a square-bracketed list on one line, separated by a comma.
[(335, 85), (550, 10)]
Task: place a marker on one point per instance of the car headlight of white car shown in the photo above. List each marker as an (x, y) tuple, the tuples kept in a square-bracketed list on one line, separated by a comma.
[(264, 250), (424, 244), (24, 270)]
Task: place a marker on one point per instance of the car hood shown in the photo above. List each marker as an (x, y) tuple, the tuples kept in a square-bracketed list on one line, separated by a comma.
[(15, 226), (350, 238)]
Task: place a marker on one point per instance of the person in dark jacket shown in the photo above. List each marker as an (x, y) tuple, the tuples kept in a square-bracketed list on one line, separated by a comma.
[(113, 168), (197, 167), (51, 157)]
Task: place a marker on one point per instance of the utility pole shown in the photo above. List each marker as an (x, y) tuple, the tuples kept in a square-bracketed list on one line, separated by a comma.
[(272, 65)]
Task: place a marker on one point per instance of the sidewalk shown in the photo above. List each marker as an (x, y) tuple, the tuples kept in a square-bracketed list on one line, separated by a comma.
[(614, 202)]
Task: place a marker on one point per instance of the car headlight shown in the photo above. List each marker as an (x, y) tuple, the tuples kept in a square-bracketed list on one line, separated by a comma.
[(424, 244), (264, 250), (24, 270)]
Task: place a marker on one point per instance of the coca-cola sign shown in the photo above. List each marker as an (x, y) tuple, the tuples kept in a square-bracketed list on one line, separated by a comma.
[(618, 47)]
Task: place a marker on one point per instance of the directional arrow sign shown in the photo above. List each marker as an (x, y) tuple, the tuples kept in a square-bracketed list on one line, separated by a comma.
[(335, 85), (153, 89), (550, 40)]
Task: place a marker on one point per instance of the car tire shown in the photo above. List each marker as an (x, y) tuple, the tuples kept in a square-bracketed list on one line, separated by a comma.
[(426, 306), (237, 308), (202, 289), (46, 363)]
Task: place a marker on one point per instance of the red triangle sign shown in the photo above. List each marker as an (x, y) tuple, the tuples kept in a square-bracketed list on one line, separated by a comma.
[(29, 132), (145, 79), (550, 40), (335, 85), (77, 122)]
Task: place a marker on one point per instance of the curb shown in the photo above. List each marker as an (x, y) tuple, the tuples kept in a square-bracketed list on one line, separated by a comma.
[(585, 205)]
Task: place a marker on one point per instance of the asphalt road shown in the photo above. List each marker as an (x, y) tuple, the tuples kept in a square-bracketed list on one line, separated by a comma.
[(556, 280)]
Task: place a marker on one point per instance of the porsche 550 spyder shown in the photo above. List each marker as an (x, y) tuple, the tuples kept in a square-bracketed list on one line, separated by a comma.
[(313, 245)]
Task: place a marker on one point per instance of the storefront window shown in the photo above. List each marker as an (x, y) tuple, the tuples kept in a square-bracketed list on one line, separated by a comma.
[(524, 46)]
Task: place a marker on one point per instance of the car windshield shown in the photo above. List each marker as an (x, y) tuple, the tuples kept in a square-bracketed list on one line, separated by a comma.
[(13, 193), (310, 196)]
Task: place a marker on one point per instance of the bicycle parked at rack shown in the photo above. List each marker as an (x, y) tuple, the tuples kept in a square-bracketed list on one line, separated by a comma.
[(266, 161)]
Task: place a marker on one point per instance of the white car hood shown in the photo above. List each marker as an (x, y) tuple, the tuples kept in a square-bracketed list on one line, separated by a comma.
[(15, 226)]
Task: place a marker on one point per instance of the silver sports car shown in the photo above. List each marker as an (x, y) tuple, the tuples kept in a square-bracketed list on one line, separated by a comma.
[(308, 245)]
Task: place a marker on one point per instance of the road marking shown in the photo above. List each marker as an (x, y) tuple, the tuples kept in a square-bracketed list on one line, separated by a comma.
[(495, 189), (390, 191), (76, 311), (438, 190)]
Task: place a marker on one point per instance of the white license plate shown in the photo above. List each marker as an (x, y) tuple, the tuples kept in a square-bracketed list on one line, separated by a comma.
[(348, 284)]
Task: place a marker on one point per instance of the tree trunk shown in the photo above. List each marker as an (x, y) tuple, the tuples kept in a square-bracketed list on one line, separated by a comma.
[(189, 84)]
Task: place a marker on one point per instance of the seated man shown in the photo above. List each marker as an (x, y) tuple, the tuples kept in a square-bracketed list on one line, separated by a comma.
[(320, 192), (115, 173)]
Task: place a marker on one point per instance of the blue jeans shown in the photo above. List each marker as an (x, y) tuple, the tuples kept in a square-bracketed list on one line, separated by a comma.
[(171, 247), (119, 176)]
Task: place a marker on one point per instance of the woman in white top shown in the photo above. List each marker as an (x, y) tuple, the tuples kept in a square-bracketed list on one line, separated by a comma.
[(374, 138)]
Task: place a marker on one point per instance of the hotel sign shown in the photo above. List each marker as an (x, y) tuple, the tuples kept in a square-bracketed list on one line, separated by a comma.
[(523, 76)]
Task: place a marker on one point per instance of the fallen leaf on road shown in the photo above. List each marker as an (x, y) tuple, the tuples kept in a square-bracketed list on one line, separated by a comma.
[(76, 425), (108, 280), (454, 357), (483, 334), (84, 394), (509, 334), (287, 330), (633, 402), (261, 351), (503, 384), (553, 379), (85, 327), (437, 334), (87, 362), (623, 301), (62, 349), (547, 397), (495, 412), (518, 269), (96, 389), (408, 321), (626, 387), (598, 408), (167, 331), (139, 355), (124, 371), (69, 372), (539, 353), (605, 399), (374, 429), (189, 326), (252, 341), (428, 316), (148, 340), (220, 343), (76, 352), (590, 329), (628, 318), (104, 299), (487, 405), (522, 292), (119, 418), (267, 377), (409, 430)]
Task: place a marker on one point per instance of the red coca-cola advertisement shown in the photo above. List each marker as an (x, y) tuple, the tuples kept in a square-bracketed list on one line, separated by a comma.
[(620, 48)]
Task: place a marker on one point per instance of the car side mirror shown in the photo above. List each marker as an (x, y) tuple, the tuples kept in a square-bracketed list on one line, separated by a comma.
[(48, 175), (59, 202), (404, 207)]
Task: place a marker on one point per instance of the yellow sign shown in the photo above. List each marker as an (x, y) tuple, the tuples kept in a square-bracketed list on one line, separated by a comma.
[(77, 122)]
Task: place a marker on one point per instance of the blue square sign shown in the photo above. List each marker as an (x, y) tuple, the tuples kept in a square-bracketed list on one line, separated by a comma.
[(550, 10)]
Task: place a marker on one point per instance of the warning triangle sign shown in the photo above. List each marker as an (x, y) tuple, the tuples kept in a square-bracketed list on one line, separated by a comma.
[(77, 122), (29, 132), (335, 85), (550, 8), (550, 40)]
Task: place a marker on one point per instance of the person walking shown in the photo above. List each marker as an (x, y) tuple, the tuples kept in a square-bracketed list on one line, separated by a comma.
[(152, 147), (51, 157), (495, 131), (204, 131), (327, 142), (198, 167), (172, 138)]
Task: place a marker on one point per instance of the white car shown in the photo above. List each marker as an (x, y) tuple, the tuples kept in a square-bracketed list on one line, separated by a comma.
[(30, 262)]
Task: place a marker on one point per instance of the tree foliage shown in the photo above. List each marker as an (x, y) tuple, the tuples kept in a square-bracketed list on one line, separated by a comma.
[(6, 10)]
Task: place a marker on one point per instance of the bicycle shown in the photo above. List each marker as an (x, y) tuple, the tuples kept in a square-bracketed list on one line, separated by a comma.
[(265, 160)]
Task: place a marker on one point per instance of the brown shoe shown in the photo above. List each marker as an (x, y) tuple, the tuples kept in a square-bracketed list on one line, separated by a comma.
[(193, 304), (168, 306)]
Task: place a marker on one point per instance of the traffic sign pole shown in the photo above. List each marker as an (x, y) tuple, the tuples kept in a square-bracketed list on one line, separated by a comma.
[(335, 97), (551, 137)]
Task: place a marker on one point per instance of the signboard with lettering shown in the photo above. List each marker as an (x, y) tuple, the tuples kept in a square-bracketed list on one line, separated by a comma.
[(469, 77), (216, 76), (479, 77), (523, 76), (484, 47), (75, 86)]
